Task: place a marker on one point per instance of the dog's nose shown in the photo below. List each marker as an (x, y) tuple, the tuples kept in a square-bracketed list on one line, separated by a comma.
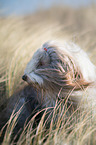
[(24, 77)]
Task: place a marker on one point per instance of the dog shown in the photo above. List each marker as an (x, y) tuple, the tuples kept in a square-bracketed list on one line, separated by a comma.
[(55, 72), (62, 70)]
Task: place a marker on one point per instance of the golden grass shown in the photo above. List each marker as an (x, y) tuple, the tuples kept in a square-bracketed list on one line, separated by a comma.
[(59, 127), (19, 38)]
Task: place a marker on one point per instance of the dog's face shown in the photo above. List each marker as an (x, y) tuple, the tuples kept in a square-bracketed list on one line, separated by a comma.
[(53, 67)]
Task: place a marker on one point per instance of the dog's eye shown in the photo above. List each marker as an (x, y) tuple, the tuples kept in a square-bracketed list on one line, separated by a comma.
[(40, 64)]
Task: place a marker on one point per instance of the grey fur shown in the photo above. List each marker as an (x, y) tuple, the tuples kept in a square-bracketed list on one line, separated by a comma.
[(56, 67)]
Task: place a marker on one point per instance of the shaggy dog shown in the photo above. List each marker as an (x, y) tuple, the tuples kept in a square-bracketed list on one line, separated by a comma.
[(57, 72), (61, 71)]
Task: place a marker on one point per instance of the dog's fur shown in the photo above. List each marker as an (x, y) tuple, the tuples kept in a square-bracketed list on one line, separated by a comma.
[(61, 69), (25, 99)]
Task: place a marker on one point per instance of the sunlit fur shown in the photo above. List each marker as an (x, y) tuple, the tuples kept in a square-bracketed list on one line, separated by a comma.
[(62, 70)]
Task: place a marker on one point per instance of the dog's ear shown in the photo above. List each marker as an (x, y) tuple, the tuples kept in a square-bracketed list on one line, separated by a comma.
[(76, 81)]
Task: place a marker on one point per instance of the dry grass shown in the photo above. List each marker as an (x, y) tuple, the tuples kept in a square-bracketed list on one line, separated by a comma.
[(56, 127), (19, 38)]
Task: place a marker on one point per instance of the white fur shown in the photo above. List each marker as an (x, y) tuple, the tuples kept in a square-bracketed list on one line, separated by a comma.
[(83, 62), (35, 78)]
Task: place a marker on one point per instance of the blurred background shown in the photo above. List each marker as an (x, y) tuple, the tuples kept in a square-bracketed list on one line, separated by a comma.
[(25, 7), (26, 24)]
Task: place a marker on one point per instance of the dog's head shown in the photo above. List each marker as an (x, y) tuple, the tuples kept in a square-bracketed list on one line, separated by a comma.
[(54, 66)]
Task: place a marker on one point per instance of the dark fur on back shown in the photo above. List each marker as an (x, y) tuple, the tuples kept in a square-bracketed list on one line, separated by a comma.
[(27, 98)]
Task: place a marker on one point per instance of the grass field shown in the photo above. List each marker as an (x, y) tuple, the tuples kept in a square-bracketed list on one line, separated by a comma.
[(19, 38)]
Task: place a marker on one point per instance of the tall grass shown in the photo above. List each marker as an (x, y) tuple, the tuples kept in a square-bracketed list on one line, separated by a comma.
[(57, 126), (19, 38)]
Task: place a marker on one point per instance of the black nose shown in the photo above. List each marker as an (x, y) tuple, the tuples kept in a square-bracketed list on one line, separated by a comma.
[(24, 77)]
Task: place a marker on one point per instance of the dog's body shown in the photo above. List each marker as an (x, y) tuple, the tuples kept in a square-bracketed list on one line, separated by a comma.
[(61, 71), (57, 71)]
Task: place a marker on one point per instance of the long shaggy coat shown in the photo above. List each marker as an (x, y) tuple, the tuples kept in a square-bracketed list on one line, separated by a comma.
[(62, 70)]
